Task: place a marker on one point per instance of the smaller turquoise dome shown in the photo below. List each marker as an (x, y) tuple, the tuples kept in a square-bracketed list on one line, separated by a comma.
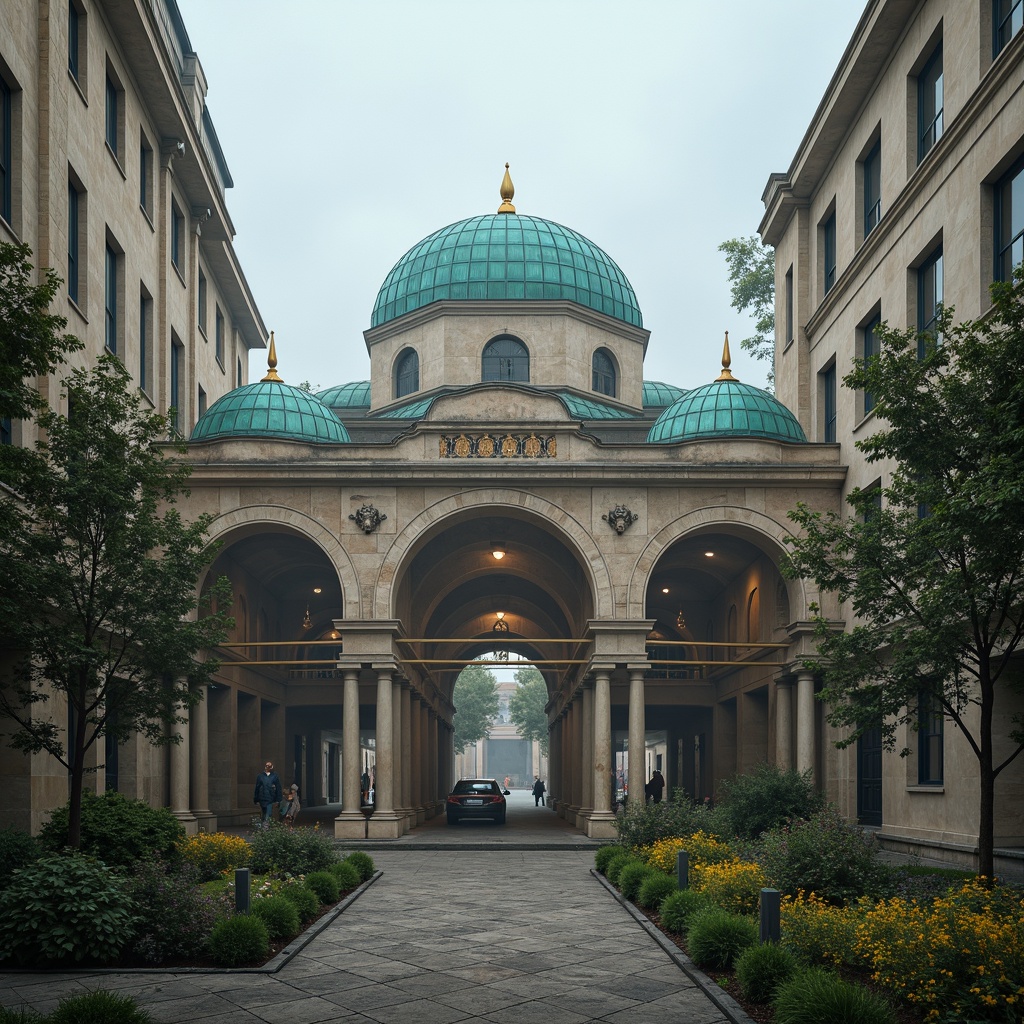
[(354, 395), (658, 395), (270, 408), (726, 408)]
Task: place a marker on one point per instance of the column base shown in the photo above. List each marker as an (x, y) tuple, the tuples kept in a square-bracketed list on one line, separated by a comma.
[(188, 821), (384, 826), (350, 825), (601, 825), (206, 818)]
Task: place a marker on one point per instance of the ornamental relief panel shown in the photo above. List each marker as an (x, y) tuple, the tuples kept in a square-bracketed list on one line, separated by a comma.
[(498, 446)]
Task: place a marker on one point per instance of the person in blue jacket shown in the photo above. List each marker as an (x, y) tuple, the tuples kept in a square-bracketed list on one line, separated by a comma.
[(267, 792)]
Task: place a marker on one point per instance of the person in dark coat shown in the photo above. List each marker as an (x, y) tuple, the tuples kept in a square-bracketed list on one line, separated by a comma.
[(267, 791), (656, 785), (538, 791)]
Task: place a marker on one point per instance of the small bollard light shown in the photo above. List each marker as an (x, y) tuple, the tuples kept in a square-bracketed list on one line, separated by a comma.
[(243, 886), (771, 918), (683, 869)]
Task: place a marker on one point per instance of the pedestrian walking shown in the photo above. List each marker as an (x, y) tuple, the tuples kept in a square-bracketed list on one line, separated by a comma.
[(290, 805), (538, 791), (267, 792), (656, 786)]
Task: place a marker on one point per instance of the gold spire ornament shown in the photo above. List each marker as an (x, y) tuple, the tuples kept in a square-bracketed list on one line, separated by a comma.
[(272, 362), (507, 192), (726, 373)]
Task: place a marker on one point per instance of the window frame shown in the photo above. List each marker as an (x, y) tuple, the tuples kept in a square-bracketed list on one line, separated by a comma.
[(872, 169), (218, 334), (110, 291), (1002, 249), (788, 323), (406, 380), (930, 724), (145, 340), (828, 245), (113, 116), (869, 349), (145, 176), (1015, 11), (606, 377), (174, 381), (201, 300), (6, 151), (930, 103), (491, 370), (829, 404), (930, 265), (76, 281), (177, 232)]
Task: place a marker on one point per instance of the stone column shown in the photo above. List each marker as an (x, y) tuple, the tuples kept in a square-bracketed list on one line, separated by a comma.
[(636, 771), (805, 721), (570, 757), (199, 743), (587, 745), (384, 823), (784, 723), (179, 779), (400, 710), (351, 823), (409, 755), (554, 793), (602, 819)]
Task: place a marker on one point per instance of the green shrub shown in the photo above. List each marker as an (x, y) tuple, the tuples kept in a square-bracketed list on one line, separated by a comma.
[(346, 874), (761, 969), (604, 854), (17, 849), (119, 831), (715, 937), (644, 824), (173, 915), (654, 889), (678, 908), (64, 909), (631, 877), (22, 1015), (278, 849), (824, 855), (239, 941), (306, 901), (324, 885), (815, 995), (617, 863), (764, 798), (99, 1007), (279, 914), (362, 862)]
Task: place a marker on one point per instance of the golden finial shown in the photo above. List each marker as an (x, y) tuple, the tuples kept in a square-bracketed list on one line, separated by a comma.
[(507, 192), (726, 373), (272, 362)]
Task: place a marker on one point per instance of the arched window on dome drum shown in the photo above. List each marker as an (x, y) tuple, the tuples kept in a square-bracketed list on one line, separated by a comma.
[(604, 373), (506, 359), (407, 373)]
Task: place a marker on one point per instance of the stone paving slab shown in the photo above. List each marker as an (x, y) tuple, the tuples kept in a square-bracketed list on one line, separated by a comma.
[(504, 935)]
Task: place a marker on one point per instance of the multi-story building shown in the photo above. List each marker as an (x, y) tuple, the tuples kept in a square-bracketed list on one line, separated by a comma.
[(906, 191)]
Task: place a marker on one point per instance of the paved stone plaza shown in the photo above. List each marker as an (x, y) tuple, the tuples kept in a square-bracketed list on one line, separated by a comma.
[(455, 929)]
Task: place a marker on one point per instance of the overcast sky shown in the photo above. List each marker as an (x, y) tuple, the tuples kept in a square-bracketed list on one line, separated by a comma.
[(355, 129)]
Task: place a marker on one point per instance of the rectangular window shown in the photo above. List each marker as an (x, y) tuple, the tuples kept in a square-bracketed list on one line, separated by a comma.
[(200, 400), (201, 300), (238, 373), (829, 245), (870, 351), (6, 143), (112, 115), (74, 26), (929, 104), (6, 430), (1009, 218), (872, 188), (177, 357), (146, 177), (74, 242), (1007, 21), (220, 337), (110, 299), (145, 341), (929, 740), (929, 298), (177, 230), (789, 306), (828, 385)]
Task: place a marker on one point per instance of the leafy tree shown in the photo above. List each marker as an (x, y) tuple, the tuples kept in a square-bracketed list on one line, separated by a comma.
[(932, 562), (526, 706), (476, 703), (752, 277), (31, 342), (98, 594)]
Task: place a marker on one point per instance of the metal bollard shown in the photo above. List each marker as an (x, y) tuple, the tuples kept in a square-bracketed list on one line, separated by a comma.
[(683, 869), (243, 886), (771, 919)]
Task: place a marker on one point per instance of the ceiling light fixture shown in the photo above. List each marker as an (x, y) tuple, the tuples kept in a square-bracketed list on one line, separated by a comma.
[(500, 625), (498, 550), (709, 554), (664, 590), (316, 590), (680, 621)]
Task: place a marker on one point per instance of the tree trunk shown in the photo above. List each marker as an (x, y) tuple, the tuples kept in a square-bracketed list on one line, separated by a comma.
[(76, 759), (987, 786)]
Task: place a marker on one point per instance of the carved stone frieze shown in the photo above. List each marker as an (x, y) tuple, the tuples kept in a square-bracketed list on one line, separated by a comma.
[(498, 446)]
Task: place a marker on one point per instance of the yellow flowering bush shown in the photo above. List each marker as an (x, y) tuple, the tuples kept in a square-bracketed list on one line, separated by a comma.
[(702, 847), (818, 932), (733, 885), (215, 852), (961, 954)]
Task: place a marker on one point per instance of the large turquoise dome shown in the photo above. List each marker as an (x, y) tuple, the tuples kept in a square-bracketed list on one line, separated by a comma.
[(726, 408), (506, 256), (270, 408), (354, 395)]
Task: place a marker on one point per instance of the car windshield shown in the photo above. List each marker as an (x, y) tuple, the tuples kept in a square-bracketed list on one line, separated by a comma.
[(475, 786)]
